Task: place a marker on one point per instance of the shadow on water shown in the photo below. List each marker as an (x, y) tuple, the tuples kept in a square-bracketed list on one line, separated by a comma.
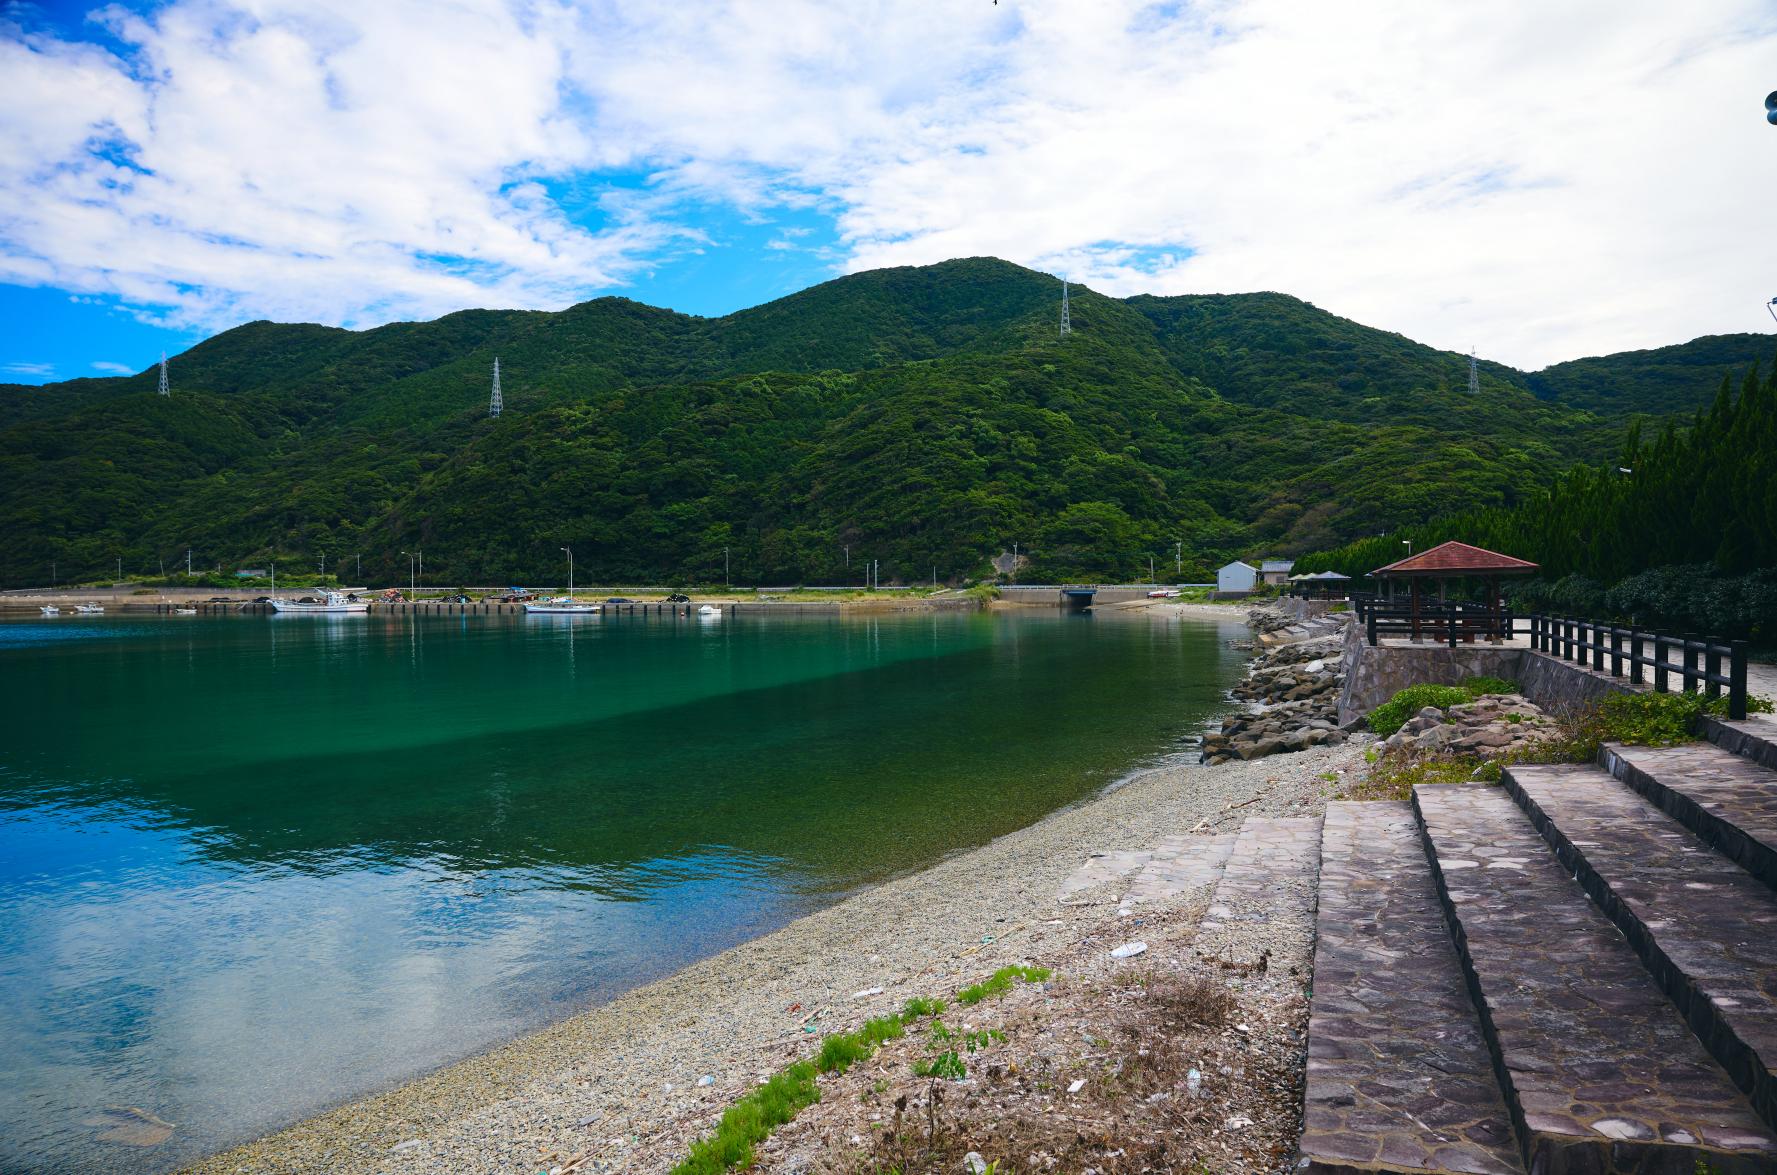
[(345, 855)]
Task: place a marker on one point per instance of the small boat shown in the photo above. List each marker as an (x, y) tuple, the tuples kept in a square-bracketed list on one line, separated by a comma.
[(50, 610), (185, 611), (561, 606), (89, 609), (710, 612), (330, 604)]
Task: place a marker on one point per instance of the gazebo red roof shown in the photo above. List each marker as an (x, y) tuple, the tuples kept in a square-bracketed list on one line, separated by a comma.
[(1453, 559)]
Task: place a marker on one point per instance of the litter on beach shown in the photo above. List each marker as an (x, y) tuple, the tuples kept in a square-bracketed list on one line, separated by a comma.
[(1129, 950), (866, 993)]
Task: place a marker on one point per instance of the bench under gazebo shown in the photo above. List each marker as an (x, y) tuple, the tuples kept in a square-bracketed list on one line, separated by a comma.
[(1443, 563)]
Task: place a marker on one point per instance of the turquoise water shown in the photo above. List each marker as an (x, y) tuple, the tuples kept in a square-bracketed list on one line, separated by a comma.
[(252, 866)]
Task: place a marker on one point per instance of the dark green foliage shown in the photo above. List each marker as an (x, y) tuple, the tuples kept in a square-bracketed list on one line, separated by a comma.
[(1686, 539), (928, 418), (1393, 714)]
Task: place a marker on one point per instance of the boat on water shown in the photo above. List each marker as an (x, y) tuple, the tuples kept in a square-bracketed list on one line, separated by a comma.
[(185, 611), (89, 609), (50, 610), (329, 604), (561, 606), (710, 612)]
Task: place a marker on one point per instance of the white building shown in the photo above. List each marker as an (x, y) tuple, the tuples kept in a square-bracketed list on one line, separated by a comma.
[(1237, 577)]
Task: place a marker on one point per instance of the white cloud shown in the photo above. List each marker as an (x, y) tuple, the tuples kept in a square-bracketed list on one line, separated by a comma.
[(29, 370), (110, 368), (1538, 181)]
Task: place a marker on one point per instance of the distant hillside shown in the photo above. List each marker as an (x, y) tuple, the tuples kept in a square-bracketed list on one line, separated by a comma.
[(923, 416), (1667, 380)]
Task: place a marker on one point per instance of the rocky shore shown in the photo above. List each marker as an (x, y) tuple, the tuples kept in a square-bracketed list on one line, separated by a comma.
[(1492, 726), (1291, 690)]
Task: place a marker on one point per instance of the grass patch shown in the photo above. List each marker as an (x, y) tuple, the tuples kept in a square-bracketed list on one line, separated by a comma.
[(751, 1120), (1391, 715), (1000, 982)]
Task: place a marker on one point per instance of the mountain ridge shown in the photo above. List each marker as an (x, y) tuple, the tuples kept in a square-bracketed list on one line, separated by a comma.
[(1224, 422)]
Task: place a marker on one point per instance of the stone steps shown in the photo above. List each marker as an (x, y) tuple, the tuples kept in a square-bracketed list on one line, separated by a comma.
[(1705, 929), (1599, 1071), (1266, 894), (1728, 800), (1399, 1076), (1753, 737)]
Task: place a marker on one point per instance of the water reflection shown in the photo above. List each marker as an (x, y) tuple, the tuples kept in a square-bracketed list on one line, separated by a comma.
[(345, 852)]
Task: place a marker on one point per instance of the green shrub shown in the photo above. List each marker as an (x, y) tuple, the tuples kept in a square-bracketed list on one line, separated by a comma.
[(1649, 720), (1000, 981), (1391, 715)]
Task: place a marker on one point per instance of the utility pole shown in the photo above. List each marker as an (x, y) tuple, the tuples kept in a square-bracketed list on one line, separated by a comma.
[(422, 557), (1014, 577), (360, 575), (187, 562), (570, 555), (323, 564), (1150, 569), (120, 567), (726, 581), (1178, 558)]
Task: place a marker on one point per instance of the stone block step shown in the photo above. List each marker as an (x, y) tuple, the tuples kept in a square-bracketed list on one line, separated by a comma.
[(1728, 800), (1600, 1072), (1704, 927), (1265, 899), (1399, 1076), (1753, 737)]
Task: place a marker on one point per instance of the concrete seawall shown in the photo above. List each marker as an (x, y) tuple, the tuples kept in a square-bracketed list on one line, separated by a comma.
[(1373, 674)]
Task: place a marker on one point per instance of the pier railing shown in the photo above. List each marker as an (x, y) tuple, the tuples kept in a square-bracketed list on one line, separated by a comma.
[(1697, 664)]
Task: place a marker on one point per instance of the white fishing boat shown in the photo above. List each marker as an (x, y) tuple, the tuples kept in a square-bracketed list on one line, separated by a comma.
[(329, 604), (185, 611), (710, 612), (89, 609), (50, 610), (562, 606)]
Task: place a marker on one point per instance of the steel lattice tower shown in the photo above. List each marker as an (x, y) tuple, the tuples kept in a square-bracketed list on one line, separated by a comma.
[(164, 390), (495, 402), (1474, 373), (1067, 326)]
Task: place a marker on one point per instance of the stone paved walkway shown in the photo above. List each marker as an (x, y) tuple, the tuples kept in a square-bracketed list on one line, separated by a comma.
[(1176, 865), (1604, 1075), (1266, 898), (1706, 928), (1730, 801), (1399, 1076)]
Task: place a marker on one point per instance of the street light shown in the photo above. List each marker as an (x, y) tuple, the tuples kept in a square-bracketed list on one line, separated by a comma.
[(1408, 543), (1772, 307), (412, 589), (570, 572), (1771, 108)]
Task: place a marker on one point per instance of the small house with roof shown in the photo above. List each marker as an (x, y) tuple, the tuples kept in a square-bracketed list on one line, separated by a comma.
[(1275, 572), (1236, 578)]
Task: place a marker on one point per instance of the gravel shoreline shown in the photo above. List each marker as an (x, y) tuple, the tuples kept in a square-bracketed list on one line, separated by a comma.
[(620, 1082)]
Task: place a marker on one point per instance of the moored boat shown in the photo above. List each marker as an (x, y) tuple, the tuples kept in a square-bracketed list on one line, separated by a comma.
[(561, 606), (89, 609), (50, 610), (329, 604)]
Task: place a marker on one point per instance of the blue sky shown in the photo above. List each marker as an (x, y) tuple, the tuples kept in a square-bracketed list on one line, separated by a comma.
[(1538, 182)]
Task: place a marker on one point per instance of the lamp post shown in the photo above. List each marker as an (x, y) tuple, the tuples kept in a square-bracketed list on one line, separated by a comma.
[(726, 581), (570, 555), (1772, 307), (1408, 543), (412, 582)]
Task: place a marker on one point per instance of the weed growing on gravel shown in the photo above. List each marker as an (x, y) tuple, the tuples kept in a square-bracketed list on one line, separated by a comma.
[(1391, 715), (1000, 982)]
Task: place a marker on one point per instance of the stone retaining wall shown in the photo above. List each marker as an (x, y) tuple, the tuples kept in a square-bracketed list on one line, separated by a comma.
[(1375, 674)]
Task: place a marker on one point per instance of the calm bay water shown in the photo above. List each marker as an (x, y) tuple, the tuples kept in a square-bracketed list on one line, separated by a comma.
[(252, 866)]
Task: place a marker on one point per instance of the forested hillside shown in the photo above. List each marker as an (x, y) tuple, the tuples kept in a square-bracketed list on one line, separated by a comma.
[(927, 417), (1679, 530)]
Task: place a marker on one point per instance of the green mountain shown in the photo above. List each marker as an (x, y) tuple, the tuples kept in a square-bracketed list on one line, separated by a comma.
[(927, 417)]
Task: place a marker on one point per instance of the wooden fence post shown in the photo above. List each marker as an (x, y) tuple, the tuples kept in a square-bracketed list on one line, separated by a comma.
[(1690, 661), (1659, 663), (1636, 650)]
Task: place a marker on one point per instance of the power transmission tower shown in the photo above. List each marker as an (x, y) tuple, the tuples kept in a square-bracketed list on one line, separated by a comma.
[(1067, 326), (495, 402), (163, 375), (1474, 373)]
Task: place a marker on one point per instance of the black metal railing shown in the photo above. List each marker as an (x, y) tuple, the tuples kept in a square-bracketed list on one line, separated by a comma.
[(1449, 623), (1700, 665), (1696, 661)]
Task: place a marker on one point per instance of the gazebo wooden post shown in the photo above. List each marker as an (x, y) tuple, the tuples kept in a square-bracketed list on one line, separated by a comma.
[(1414, 608)]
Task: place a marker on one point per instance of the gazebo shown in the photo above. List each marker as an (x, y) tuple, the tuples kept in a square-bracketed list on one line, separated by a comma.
[(1448, 561)]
